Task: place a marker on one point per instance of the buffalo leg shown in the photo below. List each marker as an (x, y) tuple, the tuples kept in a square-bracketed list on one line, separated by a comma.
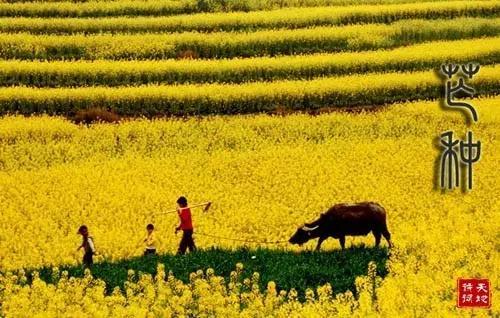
[(387, 236), (342, 242), (320, 240), (378, 236)]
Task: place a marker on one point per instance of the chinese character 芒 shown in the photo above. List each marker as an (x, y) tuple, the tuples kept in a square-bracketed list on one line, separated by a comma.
[(450, 70)]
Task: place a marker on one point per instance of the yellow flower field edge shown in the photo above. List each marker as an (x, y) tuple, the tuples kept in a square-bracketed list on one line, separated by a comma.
[(237, 44), (278, 265), (99, 8), (43, 142), (289, 18), (205, 295), (484, 51), (114, 176), (203, 99)]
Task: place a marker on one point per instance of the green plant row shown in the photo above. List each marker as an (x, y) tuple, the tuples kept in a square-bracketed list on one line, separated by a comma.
[(99, 8), (119, 73), (151, 100), (228, 45), (268, 263), (285, 18)]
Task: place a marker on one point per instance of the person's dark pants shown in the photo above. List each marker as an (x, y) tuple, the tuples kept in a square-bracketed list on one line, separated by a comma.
[(186, 242), (88, 260), (150, 251)]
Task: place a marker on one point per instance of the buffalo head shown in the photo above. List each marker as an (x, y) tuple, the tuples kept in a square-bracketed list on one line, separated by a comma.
[(302, 235)]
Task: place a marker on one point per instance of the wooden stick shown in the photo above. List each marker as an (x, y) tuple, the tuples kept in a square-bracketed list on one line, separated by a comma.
[(188, 207)]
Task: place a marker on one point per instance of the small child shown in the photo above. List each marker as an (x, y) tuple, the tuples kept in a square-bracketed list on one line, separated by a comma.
[(88, 247), (150, 240), (186, 226)]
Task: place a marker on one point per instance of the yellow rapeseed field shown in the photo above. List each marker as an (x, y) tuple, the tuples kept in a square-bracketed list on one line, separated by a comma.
[(266, 175), (231, 21), (372, 63)]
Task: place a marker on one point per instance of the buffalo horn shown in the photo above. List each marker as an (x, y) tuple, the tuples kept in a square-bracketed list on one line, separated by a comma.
[(308, 229)]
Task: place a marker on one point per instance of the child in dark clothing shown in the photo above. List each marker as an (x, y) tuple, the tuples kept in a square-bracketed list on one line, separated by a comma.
[(88, 247), (186, 226)]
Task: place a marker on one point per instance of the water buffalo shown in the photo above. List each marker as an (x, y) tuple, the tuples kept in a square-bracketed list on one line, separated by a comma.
[(345, 219)]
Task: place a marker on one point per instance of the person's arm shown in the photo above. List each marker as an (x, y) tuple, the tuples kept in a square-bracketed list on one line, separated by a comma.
[(79, 247), (91, 244), (150, 240), (179, 213)]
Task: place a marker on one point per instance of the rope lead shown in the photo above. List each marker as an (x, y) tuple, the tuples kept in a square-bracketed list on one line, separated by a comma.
[(240, 240)]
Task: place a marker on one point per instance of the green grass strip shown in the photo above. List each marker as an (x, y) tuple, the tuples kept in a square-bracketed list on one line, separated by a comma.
[(287, 269)]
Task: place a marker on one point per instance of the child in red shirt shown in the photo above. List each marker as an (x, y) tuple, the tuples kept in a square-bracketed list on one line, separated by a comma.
[(186, 226)]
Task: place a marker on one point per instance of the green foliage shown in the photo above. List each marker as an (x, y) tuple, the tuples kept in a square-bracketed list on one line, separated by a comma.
[(287, 269)]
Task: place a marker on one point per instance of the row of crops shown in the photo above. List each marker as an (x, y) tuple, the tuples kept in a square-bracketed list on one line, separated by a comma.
[(236, 44), (320, 55), (116, 73), (149, 100), (100, 8), (290, 18)]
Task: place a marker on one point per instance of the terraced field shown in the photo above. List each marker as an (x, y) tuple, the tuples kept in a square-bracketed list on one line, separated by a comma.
[(59, 58)]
